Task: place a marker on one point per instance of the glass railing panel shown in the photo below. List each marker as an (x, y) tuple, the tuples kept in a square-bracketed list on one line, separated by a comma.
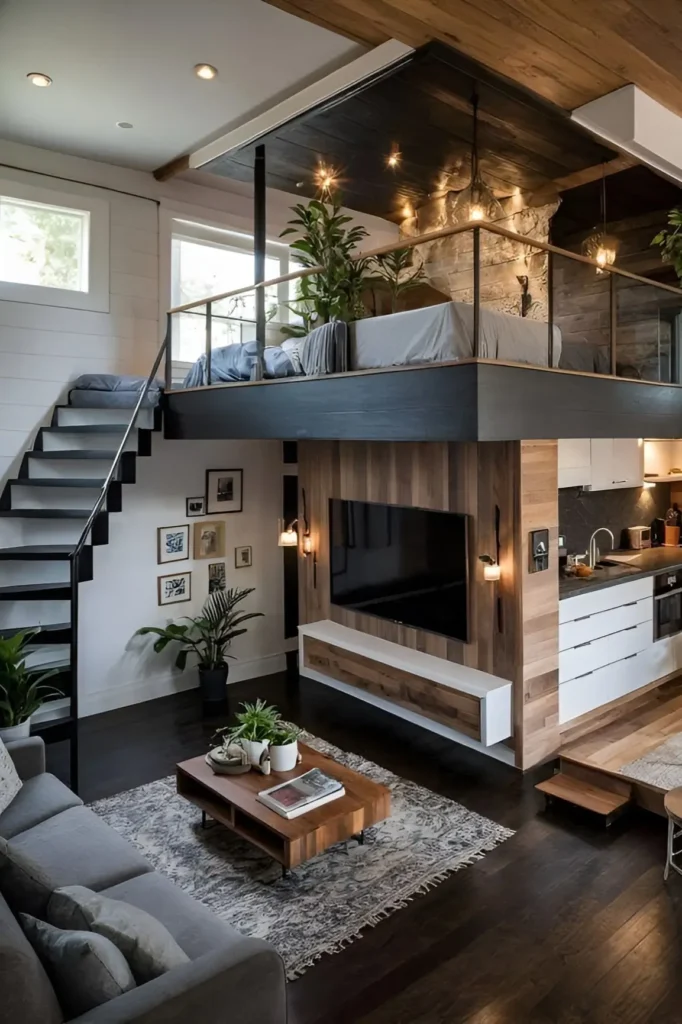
[(581, 311), (647, 329)]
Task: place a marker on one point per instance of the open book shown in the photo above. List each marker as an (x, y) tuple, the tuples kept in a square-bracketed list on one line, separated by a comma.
[(308, 791)]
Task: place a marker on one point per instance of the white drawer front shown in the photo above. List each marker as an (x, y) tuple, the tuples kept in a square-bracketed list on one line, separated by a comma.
[(593, 655), (579, 696), (601, 600), (591, 627)]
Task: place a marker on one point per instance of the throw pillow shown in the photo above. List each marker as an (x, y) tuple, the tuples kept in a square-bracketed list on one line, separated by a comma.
[(147, 945), (23, 883), (85, 969), (10, 783)]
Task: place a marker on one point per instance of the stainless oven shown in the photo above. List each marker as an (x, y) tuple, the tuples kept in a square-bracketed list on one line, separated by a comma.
[(667, 604)]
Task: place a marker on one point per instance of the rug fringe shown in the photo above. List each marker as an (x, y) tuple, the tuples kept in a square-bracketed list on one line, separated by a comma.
[(397, 903)]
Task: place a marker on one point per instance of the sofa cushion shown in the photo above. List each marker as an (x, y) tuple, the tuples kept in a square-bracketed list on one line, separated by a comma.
[(25, 991), (74, 847), (147, 945), (39, 798), (86, 969), (10, 783), (193, 926)]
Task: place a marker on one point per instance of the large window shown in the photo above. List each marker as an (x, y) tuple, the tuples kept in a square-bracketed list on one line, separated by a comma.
[(54, 247), (207, 261)]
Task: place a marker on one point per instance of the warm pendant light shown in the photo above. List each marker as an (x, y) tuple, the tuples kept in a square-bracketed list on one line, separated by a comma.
[(476, 201), (601, 246)]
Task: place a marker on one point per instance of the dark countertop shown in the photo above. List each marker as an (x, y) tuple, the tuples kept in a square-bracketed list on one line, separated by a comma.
[(632, 565)]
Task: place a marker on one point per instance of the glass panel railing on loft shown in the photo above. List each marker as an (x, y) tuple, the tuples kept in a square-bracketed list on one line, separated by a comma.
[(581, 313), (647, 318)]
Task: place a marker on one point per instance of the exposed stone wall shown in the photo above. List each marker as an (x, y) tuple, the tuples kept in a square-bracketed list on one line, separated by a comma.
[(448, 262)]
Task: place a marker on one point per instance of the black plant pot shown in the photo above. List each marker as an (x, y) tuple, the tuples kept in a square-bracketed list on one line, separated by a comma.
[(213, 686)]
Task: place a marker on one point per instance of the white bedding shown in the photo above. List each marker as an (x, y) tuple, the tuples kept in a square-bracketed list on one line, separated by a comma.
[(441, 333)]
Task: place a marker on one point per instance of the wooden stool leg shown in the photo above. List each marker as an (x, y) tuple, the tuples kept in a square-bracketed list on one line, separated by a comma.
[(669, 851)]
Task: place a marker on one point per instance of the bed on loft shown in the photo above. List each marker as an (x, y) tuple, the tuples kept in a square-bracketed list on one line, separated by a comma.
[(437, 334)]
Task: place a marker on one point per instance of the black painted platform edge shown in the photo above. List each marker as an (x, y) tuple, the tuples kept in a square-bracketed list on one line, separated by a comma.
[(472, 401)]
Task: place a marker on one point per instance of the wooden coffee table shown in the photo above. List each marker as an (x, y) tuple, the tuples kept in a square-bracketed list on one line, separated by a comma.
[(231, 800)]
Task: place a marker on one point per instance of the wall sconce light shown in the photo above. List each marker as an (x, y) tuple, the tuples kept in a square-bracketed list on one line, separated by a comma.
[(288, 534), (491, 568)]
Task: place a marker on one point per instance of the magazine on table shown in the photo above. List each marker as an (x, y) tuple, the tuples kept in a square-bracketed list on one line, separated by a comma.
[(308, 791)]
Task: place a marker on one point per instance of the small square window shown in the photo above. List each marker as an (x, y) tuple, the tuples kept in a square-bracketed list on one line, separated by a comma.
[(42, 245)]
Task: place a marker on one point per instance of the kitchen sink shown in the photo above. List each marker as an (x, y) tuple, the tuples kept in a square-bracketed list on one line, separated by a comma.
[(613, 569)]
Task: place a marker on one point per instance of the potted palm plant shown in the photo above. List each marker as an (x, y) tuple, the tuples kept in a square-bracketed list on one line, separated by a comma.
[(209, 637), (22, 690)]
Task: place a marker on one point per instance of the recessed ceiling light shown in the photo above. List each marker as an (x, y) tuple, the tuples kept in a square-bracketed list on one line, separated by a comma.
[(206, 71), (123, 124), (36, 78)]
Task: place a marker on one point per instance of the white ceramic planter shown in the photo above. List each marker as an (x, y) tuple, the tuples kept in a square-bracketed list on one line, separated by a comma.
[(283, 759), (16, 732), (254, 749)]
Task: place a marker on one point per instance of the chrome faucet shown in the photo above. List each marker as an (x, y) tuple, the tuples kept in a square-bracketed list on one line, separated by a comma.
[(593, 551)]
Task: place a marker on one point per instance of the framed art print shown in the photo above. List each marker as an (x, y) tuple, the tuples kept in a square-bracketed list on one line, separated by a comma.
[(243, 557), (195, 506), (175, 589), (224, 490), (172, 544), (209, 539), (217, 577)]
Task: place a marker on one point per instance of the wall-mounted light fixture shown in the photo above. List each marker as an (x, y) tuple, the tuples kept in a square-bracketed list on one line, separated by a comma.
[(491, 568), (288, 534)]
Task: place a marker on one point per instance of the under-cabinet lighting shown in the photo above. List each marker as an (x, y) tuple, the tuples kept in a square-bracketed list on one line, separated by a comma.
[(649, 484)]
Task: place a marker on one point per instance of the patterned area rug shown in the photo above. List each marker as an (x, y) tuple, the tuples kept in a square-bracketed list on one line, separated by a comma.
[(324, 904), (661, 767)]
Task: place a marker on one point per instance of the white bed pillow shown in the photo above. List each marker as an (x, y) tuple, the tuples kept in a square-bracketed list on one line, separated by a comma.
[(10, 783)]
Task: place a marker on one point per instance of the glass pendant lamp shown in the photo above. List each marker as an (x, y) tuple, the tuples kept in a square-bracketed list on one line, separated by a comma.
[(599, 245), (476, 201)]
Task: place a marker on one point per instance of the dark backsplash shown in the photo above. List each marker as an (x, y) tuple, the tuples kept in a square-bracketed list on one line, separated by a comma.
[(581, 512)]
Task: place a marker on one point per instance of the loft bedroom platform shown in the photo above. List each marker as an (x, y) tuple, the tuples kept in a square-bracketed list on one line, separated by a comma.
[(516, 323), (451, 371)]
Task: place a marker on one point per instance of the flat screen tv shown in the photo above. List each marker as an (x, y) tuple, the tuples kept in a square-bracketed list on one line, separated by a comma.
[(408, 565)]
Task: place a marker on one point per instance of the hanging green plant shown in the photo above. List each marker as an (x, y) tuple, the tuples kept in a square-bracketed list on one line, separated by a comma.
[(670, 240), (325, 239)]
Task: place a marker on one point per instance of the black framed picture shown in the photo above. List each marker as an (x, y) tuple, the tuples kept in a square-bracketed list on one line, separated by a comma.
[(172, 544), (217, 577), (175, 589), (195, 506), (243, 557), (224, 489)]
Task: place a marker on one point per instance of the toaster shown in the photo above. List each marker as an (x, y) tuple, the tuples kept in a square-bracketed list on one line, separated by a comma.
[(639, 537)]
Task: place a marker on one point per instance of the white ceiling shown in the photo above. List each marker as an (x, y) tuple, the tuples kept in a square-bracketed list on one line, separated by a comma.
[(132, 60)]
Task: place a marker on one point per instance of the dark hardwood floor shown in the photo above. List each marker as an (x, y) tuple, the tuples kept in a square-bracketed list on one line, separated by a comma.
[(564, 923)]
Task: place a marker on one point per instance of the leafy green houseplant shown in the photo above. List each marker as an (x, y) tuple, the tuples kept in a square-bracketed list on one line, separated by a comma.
[(284, 747), (325, 239), (22, 690), (208, 637), (670, 240), (396, 272), (256, 724)]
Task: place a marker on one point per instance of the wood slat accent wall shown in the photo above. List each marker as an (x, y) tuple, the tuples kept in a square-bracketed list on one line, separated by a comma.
[(513, 641)]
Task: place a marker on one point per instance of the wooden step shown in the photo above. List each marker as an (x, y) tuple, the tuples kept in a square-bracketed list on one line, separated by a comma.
[(585, 795)]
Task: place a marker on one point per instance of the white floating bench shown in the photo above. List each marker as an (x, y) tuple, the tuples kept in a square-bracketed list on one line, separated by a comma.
[(473, 704)]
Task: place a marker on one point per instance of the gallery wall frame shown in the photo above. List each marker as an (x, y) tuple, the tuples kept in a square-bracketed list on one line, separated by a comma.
[(172, 544), (224, 491), (175, 588)]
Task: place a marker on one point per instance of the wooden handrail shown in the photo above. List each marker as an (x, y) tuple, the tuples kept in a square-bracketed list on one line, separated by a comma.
[(432, 236)]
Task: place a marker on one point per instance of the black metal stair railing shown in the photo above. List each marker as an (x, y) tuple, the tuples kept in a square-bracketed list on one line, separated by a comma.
[(78, 569)]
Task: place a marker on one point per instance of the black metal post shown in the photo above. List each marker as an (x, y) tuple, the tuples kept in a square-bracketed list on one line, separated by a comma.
[(550, 308), (477, 293), (74, 567), (209, 340), (259, 212), (613, 324), (169, 352)]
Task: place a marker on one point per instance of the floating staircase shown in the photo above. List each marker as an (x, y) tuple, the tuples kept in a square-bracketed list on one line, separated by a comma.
[(48, 532)]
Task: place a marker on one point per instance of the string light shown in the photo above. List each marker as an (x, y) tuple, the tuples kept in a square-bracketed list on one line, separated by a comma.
[(394, 159), (326, 178)]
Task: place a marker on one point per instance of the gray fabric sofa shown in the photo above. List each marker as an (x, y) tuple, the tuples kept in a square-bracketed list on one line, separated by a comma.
[(229, 977)]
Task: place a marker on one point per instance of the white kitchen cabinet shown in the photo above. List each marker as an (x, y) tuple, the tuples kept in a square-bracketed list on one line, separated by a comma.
[(616, 462), (574, 462)]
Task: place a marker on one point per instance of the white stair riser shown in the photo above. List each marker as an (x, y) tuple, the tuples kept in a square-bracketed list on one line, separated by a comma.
[(72, 417), (52, 710), (17, 614), (18, 573), (54, 497), (77, 469), (46, 654), (87, 442)]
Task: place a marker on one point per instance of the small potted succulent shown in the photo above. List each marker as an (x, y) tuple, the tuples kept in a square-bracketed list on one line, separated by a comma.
[(22, 690), (256, 724), (284, 747)]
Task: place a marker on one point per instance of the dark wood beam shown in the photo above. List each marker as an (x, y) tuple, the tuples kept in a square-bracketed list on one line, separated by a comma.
[(173, 168)]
